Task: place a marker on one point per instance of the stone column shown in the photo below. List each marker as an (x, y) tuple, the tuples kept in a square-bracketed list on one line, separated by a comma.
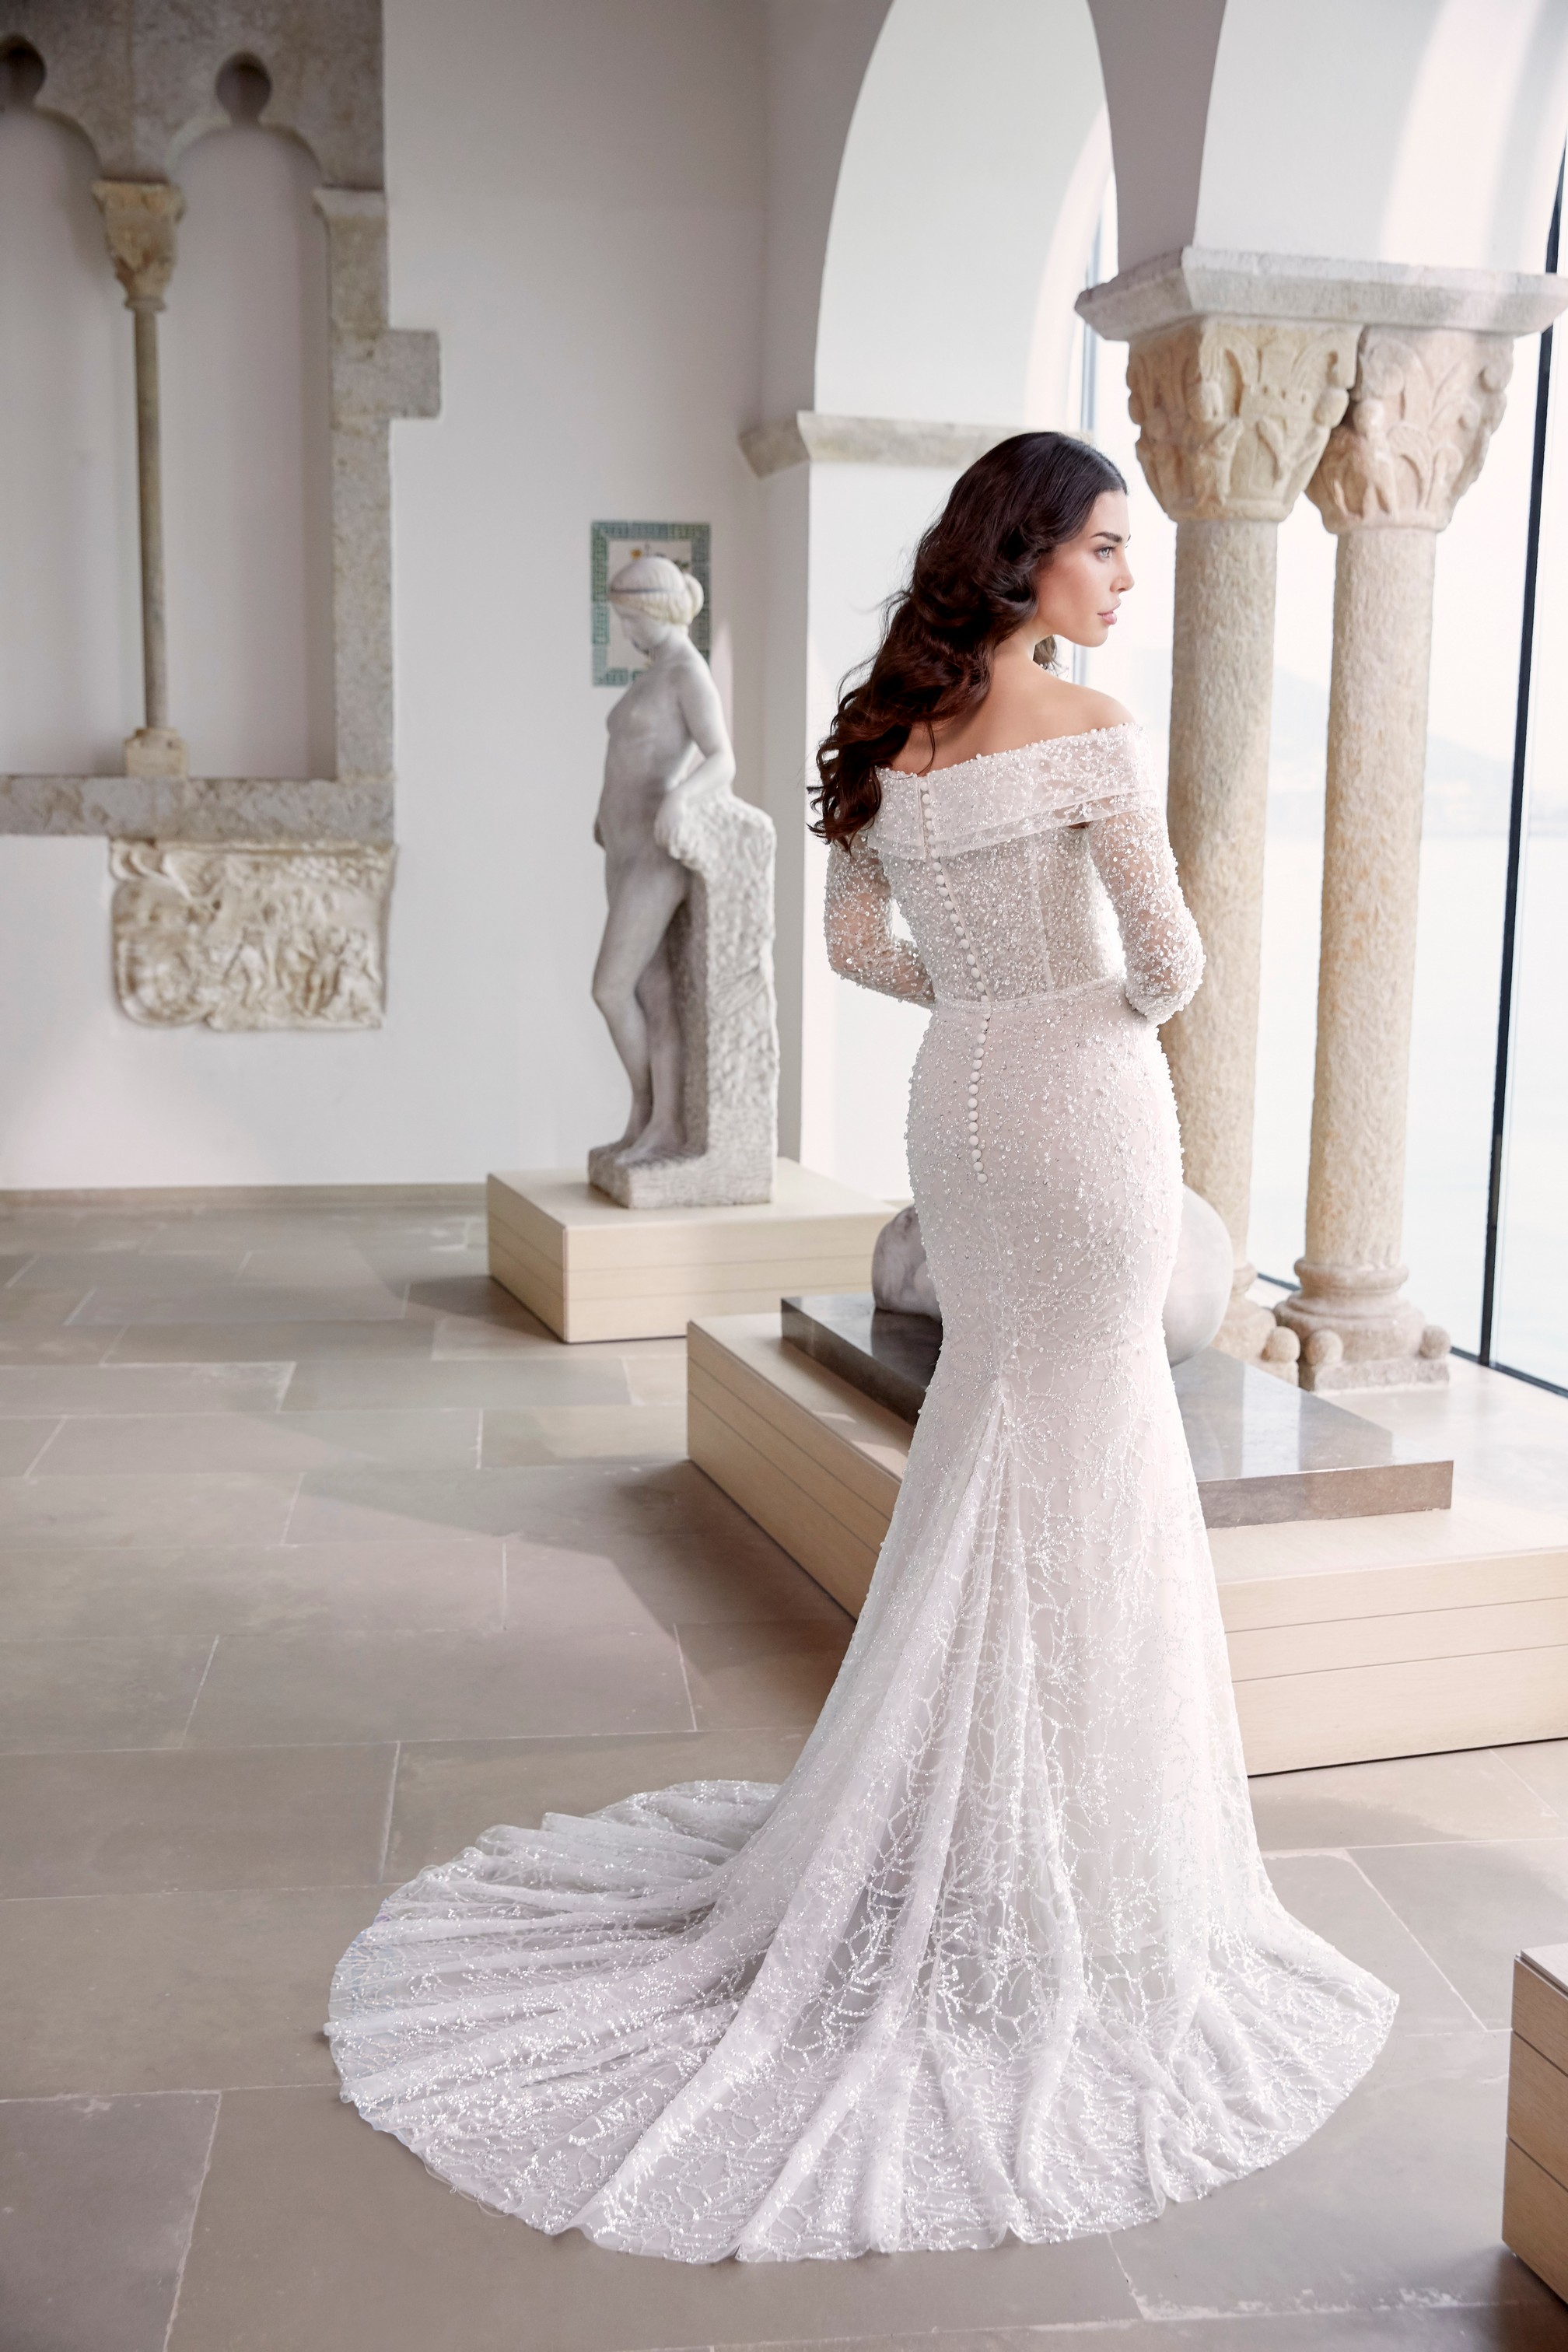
[(1423, 410), (140, 220), (1234, 416)]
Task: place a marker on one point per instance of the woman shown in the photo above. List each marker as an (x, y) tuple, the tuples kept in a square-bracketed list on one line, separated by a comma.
[(1000, 1956)]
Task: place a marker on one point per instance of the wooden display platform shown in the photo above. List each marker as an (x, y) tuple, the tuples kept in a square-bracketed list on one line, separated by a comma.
[(1535, 2177), (1396, 1635), (593, 1270)]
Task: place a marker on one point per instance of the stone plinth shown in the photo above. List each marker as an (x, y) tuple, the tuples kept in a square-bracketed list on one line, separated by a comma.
[(1399, 1634), (1261, 1452), (1535, 2177), (721, 946), (591, 1270)]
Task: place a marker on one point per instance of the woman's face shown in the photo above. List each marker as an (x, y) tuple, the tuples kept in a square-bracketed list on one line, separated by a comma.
[(1082, 584)]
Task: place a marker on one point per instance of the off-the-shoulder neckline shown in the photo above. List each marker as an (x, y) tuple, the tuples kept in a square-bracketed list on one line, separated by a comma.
[(979, 758)]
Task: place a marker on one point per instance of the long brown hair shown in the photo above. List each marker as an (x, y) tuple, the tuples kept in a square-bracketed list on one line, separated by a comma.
[(974, 581)]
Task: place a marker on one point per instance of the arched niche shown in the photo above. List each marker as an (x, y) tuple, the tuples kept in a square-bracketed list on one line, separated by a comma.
[(68, 659), (247, 468), (970, 185)]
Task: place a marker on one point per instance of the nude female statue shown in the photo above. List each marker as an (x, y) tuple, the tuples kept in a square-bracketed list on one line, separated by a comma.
[(668, 752)]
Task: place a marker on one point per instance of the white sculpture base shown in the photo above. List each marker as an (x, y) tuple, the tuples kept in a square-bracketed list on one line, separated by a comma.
[(591, 1270), (1401, 1635)]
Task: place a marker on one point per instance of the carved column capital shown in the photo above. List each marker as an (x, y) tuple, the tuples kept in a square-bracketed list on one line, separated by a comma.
[(139, 219), (1232, 413), (1423, 409)]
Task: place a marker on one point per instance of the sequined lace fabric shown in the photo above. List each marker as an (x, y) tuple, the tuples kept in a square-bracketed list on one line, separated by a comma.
[(1000, 1956)]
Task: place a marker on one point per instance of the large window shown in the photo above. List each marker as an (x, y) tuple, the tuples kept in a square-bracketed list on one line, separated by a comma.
[(1486, 1218)]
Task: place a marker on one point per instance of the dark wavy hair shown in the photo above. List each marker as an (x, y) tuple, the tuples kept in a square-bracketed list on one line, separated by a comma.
[(974, 583)]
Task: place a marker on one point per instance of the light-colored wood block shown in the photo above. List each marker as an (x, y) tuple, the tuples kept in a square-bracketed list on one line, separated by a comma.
[(591, 1270), (1535, 2218), (1538, 2108), (1397, 1635), (1541, 2002)]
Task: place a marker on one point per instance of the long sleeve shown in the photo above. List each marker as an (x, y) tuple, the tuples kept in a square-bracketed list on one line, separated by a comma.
[(858, 922), (1159, 938)]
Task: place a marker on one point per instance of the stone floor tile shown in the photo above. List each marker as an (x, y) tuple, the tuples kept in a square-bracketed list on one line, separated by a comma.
[(472, 1298), (130, 1693), (314, 2231), (236, 1302), (584, 1432), (761, 1674), (172, 1992), (1407, 1799), (32, 1343), (1474, 1907), (1543, 1766), (1329, 1894), (554, 1379), (97, 2199), (191, 1507), (276, 1342), (448, 1791), (266, 1690), (81, 1269), (129, 1444), (21, 1443), (97, 1388), (549, 1503), (657, 1380), (449, 1581), (555, 1591), (30, 1310), (171, 1819), (1513, 2328), (1395, 2200)]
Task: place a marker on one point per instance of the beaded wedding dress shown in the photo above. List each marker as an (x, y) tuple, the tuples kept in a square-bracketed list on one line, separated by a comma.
[(1000, 1956)]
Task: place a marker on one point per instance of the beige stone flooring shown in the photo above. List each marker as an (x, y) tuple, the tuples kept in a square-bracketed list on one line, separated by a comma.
[(318, 1557)]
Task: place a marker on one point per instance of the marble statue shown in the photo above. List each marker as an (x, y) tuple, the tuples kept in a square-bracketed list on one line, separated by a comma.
[(1195, 1302), (684, 977)]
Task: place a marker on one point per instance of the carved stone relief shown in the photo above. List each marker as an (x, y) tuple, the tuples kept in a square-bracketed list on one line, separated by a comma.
[(1414, 437), (1232, 413), (252, 936)]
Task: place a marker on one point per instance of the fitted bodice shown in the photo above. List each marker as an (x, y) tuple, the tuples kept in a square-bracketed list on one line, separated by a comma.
[(1016, 872)]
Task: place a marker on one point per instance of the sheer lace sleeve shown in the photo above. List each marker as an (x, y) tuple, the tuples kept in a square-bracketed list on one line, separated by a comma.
[(1160, 940), (859, 921)]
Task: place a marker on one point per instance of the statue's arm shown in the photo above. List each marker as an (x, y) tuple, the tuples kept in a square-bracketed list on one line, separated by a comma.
[(714, 768), (858, 922)]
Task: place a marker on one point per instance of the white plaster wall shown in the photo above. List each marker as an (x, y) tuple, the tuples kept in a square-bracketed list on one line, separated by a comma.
[(69, 655), (1415, 130), (970, 128), (576, 205), (246, 472)]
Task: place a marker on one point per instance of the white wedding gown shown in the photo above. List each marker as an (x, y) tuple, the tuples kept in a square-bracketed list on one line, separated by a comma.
[(1000, 1956)]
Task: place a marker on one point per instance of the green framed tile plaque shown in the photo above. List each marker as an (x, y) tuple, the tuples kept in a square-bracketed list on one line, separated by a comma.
[(610, 544)]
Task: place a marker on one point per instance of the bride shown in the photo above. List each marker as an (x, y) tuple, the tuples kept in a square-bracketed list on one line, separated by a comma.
[(1000, 1956)]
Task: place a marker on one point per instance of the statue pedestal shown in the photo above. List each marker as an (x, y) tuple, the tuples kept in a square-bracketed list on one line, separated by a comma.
[(591, 1270)]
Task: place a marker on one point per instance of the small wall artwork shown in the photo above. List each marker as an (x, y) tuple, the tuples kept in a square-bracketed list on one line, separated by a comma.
[(615, 659)]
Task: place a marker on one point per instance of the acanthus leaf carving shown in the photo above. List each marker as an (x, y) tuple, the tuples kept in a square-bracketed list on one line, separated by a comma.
[(1234, 413), (1423, 410)]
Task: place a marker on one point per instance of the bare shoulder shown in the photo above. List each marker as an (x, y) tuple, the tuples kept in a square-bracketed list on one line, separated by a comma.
[(1082, 709)]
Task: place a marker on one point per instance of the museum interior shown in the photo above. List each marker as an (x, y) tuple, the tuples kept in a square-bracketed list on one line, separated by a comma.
[(395, 394)]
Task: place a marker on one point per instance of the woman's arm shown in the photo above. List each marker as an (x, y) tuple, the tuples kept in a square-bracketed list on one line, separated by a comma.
[(858, 922), (1160, 940)]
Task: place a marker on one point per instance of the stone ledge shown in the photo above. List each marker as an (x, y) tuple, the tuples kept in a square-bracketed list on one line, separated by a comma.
[(1203, 282), (809, 438), (198, 808)]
